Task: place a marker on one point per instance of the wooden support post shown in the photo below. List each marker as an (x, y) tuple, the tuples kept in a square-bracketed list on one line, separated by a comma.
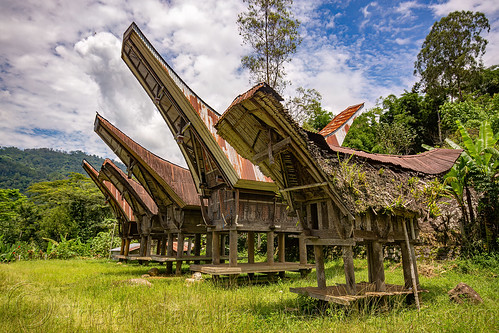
[(197, 246), (122, 249), (370, 265), (251, 247), (270, 247), (349, 270), (378, 268), (216, 247), (163, 245), (319, 266), (281, 246), (148, 246), (222, 247), (127, 247), (169, 253), (158, 247), (406, 265), (143, 245), (412, 264), (209, 248), (302, 246), (189, 246), (180, 252), (233, 248)]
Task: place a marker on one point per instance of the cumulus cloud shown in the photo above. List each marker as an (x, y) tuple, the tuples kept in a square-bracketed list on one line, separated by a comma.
[(60, 62)]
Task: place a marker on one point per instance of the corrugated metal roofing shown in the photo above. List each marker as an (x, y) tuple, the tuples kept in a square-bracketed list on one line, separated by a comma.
[(433, 162), (436, 161), (110, 192), (139, 190), (178, 178), (244, 169), (340, 119)]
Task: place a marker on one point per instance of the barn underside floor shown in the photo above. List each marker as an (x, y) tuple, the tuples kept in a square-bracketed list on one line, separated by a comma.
[(242, 268), (159, 258)]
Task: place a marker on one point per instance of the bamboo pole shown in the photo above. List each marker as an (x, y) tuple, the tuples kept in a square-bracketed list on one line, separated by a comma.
[(411, 264)]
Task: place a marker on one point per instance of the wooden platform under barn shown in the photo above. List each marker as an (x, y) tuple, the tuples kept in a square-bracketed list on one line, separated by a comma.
[(242, 268), (164, 258), (338, 293)]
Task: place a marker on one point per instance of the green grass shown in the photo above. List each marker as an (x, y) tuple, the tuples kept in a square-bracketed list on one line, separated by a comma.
[(85, 295)]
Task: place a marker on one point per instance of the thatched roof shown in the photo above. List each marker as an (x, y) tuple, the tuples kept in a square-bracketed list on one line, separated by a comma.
[(359, 181)]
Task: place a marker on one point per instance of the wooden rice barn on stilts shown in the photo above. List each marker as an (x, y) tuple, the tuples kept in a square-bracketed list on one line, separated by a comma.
[(343, 197), (171, 189), (240, 199), (127, 223)]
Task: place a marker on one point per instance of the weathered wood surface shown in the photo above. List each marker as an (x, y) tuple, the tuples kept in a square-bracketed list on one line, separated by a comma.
[(338, 294), (242, 268), (162, 258)]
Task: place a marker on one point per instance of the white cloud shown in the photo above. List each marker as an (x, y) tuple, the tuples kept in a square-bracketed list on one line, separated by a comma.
[(405, 9)]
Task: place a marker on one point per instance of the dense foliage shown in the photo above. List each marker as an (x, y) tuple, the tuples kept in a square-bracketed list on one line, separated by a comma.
[(59, 219), (21, 168)]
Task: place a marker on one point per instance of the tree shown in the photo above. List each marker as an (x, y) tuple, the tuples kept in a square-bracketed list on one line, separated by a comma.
[(74, 207), (307, 110), (270, 29), (451, 53)]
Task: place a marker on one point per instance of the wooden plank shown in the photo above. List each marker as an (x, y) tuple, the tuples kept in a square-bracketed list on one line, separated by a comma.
[(349, 270), (303, 187), (319, 267), (330, 242), (246, 268), (251, 247), (273, 149)]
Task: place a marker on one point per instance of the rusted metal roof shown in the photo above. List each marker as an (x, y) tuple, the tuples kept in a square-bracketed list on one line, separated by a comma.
[(177, 180), (190, 105), (337, 129), (433, 162), (436, 161), (114, 197), (137, 190)]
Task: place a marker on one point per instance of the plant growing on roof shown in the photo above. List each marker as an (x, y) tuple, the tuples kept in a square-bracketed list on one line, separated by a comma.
[(269, 28)]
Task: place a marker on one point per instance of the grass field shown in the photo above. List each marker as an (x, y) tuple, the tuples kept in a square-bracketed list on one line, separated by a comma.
[(87, 296)]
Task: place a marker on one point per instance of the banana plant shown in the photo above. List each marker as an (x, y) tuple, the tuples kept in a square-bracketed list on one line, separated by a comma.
[(478, 165)]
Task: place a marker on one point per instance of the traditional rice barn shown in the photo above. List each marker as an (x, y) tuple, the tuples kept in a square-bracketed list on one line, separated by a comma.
[(343, 197), (336, 130), (240, 199), (170, 187), (127, 223)]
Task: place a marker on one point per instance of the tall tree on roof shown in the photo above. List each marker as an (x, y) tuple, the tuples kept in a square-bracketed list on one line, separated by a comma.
[(268, 26), (451, 55)]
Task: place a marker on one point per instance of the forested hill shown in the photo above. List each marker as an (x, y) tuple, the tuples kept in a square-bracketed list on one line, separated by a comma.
[(21, 168)]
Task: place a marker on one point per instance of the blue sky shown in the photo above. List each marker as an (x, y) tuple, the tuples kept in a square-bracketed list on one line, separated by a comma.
[(60, 61)]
